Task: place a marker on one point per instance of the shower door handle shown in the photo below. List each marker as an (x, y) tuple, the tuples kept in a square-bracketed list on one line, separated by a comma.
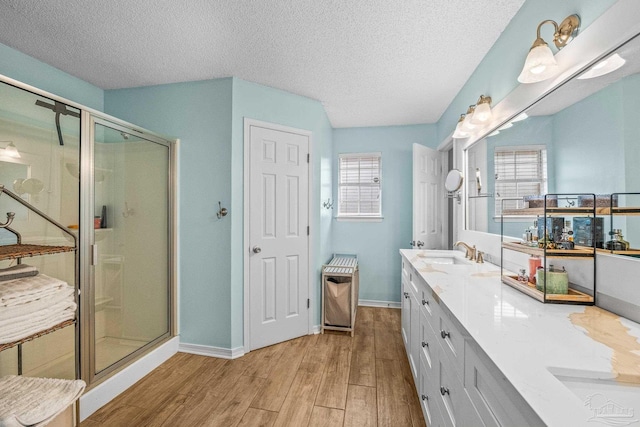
[(256, 249), (94, 254)]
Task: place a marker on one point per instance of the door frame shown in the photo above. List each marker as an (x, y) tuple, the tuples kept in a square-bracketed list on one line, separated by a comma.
[(248, 123)]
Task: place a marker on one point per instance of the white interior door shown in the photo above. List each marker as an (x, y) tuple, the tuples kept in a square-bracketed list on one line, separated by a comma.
[(428, 198), (278, 248)]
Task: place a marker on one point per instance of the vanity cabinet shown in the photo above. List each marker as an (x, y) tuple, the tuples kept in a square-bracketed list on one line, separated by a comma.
[(457, 383)]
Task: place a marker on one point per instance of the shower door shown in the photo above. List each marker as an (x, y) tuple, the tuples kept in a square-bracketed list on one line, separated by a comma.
[(130, 300)]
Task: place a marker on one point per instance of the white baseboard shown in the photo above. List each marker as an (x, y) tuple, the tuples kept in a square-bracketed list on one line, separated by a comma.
[(316, 330), (211, 351), (103, 393), (383, 304)]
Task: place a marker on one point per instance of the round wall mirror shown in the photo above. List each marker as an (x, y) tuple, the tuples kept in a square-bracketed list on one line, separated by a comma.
[(453, 182)]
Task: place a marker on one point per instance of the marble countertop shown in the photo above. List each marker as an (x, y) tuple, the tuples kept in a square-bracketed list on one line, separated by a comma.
[(595, 353)]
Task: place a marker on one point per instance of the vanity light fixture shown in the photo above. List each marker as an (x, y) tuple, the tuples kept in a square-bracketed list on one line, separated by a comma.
[(459, 132), (11, 150), (482, 113), (606, 66), (540, 64), (467, 125)]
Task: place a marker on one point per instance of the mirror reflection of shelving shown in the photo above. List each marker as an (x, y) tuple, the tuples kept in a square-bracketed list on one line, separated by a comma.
[(621, 234)]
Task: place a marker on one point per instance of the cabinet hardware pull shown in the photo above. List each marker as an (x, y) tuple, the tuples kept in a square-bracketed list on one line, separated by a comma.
[(425, 397), (425, 302), (425, 344), (444, 391), (444, 334)]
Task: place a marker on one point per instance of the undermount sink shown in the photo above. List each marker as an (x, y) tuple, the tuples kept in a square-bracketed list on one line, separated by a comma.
[(443, 257), (611, 402), (445, 260)]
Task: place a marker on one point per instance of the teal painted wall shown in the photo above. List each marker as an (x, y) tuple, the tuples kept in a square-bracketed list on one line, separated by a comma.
[(377, 243), (21, 67), (497, 73), (254, 101), (199, 113)]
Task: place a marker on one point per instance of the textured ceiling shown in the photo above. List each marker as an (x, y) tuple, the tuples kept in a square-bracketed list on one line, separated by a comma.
[(370, 62)]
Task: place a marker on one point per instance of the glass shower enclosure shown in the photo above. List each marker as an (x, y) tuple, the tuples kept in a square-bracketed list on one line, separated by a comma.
[(112, 184)]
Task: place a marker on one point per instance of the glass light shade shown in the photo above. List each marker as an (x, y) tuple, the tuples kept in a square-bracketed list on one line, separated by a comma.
[(11, 151), (603, 67), (482, 114), (460, 132), (540, 65), (466, 123)]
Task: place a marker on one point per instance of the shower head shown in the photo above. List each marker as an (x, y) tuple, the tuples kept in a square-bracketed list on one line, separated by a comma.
[(124, 135)]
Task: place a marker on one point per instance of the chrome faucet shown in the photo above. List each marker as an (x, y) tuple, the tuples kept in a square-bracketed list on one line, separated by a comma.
[(471, 250)]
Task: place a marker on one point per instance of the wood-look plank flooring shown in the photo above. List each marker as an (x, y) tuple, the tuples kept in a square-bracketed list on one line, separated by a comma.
[(317, 380)]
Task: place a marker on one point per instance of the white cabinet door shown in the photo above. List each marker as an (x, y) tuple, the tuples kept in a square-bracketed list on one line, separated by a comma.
[(498, 403), (427, 399)]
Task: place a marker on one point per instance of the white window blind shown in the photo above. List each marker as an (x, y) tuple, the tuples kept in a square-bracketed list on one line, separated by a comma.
[(519, 172), (359, 185)]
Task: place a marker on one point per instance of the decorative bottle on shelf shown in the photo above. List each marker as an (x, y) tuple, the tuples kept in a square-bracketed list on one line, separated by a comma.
[(617, 243), (566, 241), (103, 217), (534, 263), (546, 241)]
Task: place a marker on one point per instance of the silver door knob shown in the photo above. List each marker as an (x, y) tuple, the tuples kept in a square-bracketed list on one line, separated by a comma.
[(256, 249)]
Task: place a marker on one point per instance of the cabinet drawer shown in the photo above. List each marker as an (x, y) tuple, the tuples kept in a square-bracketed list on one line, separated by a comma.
[(452, 343), (497, 402)]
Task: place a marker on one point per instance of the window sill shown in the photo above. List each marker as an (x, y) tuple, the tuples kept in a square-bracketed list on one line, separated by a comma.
[(346, 218)]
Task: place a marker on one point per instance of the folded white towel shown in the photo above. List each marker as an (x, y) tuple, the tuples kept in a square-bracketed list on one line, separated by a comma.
[(17, 271), (10, 326), (25, 329), (65, 293), (28, 289), (26, 401)]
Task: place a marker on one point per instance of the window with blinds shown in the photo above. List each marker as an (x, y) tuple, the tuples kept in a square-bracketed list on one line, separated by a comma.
[(519, 172), (359, 185)]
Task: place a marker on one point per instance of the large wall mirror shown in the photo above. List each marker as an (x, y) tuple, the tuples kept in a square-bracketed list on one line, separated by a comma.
[(584, 137)]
